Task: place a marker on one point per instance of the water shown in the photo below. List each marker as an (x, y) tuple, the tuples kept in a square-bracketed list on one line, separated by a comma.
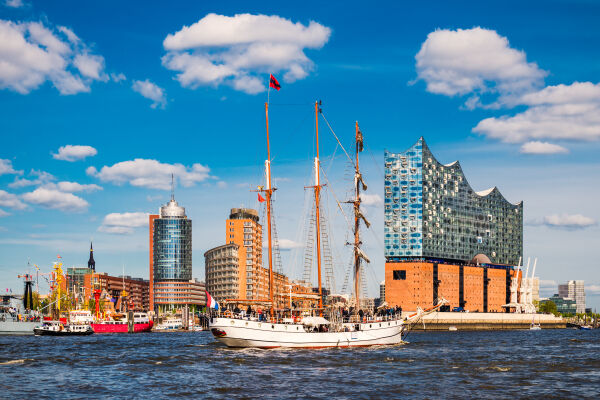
[(522, 364)]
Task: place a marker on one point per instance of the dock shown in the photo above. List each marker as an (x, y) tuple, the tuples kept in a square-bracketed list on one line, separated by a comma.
[(442, 321)]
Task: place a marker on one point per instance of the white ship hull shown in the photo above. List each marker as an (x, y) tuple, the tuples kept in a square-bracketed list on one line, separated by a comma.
[(244, 333)]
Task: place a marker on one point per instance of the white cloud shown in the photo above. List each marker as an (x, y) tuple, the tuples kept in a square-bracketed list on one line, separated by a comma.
[(234, 50), (54, 199), (569, 221), (592, 289), (42, 178), (14, 3), (123, 223), (221, 184), (118, 77), (74, 152), (474, 62), (562, 112), (11, 200), (72, 187), (371, 200), (3, 213), (32, 53), (6, 167), (536, 147), (151, 91), (150, 173), (286, 244)]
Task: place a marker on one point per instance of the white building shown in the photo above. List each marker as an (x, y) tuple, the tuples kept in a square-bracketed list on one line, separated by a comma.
[(574, 290)]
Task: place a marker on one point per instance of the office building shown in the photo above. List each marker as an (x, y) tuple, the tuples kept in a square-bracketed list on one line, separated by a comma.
[(75, 275), (171, 259), (382, 291), (574, 290), (222, 272), (564, 305)]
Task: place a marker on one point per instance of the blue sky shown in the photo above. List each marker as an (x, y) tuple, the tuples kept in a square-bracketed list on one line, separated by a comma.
[(509, 89)]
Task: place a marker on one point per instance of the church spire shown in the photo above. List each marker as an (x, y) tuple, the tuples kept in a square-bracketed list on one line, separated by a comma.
[(91, 262)]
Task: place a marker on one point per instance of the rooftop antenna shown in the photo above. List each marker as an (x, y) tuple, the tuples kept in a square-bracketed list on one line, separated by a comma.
[(172, 188)]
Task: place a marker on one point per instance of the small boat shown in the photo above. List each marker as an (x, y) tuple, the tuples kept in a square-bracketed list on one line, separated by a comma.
[(535, 327), (452, 328), (169, 325), (57, 328), (585, 327)]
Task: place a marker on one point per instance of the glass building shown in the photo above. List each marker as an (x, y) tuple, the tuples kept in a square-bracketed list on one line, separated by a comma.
[(172, 244), (431, 212)]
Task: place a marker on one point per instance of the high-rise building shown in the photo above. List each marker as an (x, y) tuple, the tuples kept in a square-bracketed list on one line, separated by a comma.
[(431, 211), (445, 240), (382, 291), (243, 229), (574, 290), (171, 262), (151, 219)]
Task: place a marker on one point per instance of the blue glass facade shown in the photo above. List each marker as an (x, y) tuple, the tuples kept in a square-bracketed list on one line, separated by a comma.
[(172, 249), (431, 211)]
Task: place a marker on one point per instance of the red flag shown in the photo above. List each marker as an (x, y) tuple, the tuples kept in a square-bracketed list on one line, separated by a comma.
[(273, 83), (58, 256), (260, 198)]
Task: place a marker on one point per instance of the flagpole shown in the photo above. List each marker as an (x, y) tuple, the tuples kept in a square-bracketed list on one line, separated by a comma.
[(268, 88)]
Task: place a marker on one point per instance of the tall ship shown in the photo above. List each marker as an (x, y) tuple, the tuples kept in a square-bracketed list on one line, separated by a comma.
[(322, 327), (16, 315)]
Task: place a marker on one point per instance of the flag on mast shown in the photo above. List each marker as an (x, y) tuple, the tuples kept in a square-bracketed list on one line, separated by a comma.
[(273, 83), (260, 198), (211, 302)]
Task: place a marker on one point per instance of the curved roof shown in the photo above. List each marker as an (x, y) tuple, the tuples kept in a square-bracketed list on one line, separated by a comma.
[(493, 191)]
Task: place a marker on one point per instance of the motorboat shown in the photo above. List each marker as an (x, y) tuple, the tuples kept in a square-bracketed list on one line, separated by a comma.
[(57, 328)]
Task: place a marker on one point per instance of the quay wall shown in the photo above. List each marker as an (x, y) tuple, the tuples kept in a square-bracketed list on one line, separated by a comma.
[(441, 321)]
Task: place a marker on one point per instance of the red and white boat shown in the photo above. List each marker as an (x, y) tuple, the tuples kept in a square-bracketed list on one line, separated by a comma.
[(141, 323)]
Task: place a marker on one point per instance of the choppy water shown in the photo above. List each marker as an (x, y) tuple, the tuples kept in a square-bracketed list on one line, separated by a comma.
[(521, 364)]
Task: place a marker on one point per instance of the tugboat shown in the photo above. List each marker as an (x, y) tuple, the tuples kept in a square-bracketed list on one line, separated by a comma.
[(57, 328)]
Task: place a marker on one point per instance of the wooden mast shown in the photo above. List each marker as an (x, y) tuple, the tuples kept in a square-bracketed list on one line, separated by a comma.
[(317, 188), (357, 225), (268, 192)]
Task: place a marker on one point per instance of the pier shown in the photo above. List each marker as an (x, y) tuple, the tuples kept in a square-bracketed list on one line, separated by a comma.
[(442, 321)]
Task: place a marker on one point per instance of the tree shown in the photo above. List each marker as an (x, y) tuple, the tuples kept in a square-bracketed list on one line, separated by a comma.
[(548, 307)]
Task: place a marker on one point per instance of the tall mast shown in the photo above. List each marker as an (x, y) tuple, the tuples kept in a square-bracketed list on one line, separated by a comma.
[(268, 192), (357, 180), (317, 188)]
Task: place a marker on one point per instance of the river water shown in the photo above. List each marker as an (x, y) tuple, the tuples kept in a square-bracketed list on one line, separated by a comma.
[(499, 364)]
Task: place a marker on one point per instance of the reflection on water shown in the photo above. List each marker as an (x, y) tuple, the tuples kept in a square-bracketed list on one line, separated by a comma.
[(555, 363)]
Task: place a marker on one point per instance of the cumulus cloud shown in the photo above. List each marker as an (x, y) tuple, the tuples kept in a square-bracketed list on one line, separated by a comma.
[(11, 200), (43, 177), (118, 77), (150, 173), (74, 152), (286, 244), (371, 200), (151, 91), (14, 3), (123, 223), (72, 187), (536, 147), (474, 62), (567, 221), (566, 112), (6, 167), (234, 50), (32, 53), (55, 199)]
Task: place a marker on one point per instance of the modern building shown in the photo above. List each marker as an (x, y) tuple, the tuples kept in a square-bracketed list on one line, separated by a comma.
[(126, 293), (222, 272), (535, 285), (382, 291), (564, 305), (243, 229), (171, 257), (177, 294), (443, 239), (574, 290)]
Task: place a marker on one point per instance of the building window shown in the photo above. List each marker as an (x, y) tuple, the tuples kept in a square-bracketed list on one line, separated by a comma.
[(399, 275)]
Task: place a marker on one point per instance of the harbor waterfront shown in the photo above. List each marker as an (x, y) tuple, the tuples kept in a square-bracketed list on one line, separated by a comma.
[(493, 364)]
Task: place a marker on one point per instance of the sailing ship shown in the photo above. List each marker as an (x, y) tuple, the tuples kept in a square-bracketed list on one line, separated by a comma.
[(314, 331)]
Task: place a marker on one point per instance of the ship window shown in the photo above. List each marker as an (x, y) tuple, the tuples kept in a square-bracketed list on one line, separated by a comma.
[(399, 274)]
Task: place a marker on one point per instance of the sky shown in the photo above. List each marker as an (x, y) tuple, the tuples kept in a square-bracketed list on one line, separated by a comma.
[(100, 102)]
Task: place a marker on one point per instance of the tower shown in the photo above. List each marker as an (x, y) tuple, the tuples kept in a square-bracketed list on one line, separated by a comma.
[(91, 261)]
